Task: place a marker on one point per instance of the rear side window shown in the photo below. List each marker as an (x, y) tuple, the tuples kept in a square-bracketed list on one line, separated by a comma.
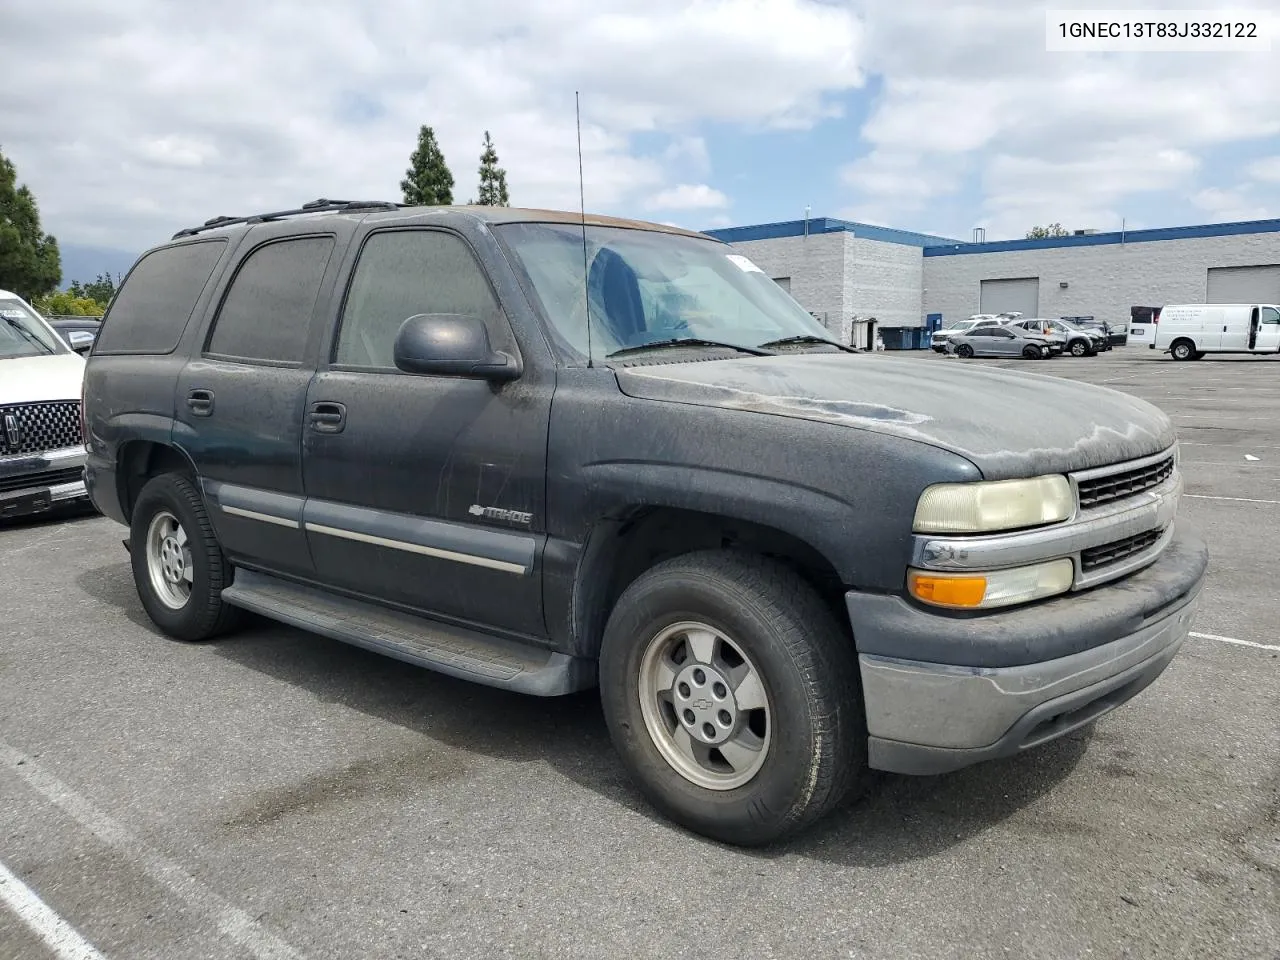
[(152, 309), (403, 273), (266, 313)]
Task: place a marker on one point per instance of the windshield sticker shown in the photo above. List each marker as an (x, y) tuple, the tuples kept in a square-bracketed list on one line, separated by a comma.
[(13, 314), (742, 263)]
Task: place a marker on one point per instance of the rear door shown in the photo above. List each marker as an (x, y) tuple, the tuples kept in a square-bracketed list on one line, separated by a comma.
[(426, 491), (240, 398)]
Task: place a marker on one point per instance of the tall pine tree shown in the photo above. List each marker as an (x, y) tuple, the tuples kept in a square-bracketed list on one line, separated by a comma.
[(428, 181), (493, 179), (30, 265)]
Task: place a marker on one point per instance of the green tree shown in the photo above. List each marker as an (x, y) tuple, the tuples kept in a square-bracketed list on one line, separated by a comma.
[(1042, 233), (428, 181), (100, 290), (68, 303), (493, 179), (29, 262)]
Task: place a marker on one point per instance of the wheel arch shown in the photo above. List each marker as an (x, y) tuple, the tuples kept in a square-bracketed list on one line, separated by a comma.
[(622, 546), (139, 461)]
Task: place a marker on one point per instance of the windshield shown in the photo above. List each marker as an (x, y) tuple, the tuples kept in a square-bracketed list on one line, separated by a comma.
[(22, 334), (647, 286)]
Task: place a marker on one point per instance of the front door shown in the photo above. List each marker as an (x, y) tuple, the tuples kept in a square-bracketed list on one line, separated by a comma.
[(1267, 339), (426, 491), (240, 403)]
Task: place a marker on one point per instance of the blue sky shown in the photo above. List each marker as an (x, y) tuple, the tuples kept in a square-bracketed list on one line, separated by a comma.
[(918, 114)]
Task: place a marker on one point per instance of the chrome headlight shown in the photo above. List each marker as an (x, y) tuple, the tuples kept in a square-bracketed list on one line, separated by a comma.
[(990, 506)]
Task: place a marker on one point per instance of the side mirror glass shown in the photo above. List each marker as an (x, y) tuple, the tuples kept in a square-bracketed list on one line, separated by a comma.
[(451, 344)]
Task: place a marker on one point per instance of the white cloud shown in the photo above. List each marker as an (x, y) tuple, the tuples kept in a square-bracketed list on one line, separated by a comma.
[(1229, 205), (688, 196), (1267, 169), (150, 116), (969, 98)]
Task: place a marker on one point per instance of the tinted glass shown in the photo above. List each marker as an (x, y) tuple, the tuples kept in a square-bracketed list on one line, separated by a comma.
[(646, 286), (266, 314), (22, 334), (403, 273), (1270, 315), (151, 311)]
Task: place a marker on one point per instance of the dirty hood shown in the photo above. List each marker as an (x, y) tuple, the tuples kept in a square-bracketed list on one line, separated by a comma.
[(1008, 424), (37, 379)]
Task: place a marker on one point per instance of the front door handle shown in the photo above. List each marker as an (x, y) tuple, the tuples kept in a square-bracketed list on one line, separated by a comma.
[(327, 417), (200, 402)]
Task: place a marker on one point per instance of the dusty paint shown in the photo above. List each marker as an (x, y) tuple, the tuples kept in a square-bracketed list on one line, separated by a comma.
[(1008, 423)]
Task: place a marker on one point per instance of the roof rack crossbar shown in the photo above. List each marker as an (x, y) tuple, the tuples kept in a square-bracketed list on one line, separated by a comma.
[(315, 206)]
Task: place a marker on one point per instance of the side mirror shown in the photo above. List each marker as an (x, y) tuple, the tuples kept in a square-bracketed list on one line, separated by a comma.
[(451, 344), (81, 341)]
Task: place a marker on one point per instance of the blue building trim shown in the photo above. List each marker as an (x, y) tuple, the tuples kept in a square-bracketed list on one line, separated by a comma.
[(797, 228), (1104, 239)]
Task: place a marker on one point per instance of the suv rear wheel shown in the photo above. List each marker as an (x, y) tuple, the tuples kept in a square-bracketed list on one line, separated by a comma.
[(178, 566), (732, 696)]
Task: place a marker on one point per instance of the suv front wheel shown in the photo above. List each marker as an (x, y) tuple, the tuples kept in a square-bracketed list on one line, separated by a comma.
[(178, 566), (732, 696)]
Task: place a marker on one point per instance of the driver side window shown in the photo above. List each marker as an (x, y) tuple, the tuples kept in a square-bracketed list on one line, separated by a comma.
[(401, 273)]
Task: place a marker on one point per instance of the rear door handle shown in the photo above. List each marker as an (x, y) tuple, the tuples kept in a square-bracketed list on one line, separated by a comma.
[(327, 417), (200, 402)]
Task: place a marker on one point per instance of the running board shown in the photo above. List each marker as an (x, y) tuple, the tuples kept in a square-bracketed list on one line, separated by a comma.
[(457, 651)]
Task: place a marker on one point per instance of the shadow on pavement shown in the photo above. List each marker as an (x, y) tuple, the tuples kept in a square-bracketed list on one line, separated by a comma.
[(898, 819)]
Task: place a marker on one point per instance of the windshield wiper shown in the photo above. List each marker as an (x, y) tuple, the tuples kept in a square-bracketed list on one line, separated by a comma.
[(809, 338), (27, 335), (691, 342)]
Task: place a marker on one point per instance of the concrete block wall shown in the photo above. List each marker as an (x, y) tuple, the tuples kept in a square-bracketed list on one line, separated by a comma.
[(1103, 281), (884, 280), (815, 264)]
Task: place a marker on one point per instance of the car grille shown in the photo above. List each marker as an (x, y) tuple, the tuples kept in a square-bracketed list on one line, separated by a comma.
[(37, 427), (1095, 557), (1117, 486), (47, 478)]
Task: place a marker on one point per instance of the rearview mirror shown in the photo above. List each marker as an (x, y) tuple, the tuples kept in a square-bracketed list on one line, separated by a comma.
[(451, 344)]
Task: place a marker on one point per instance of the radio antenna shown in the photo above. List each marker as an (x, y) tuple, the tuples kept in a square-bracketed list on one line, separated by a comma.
[(582, 207)]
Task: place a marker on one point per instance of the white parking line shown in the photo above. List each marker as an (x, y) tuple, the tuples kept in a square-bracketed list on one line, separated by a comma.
[(1242, 643), (56, 934), (231, 921), (1203, 496)]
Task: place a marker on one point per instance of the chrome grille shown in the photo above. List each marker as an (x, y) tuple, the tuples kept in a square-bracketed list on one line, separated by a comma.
[(1095, 557), (1116, 486), (46, 478), (37, 427)]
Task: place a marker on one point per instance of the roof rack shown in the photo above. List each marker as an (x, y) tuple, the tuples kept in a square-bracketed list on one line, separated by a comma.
[(315, 206)]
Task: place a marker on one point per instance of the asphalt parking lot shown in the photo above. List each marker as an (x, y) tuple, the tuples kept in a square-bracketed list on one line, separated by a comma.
[(276, 794)]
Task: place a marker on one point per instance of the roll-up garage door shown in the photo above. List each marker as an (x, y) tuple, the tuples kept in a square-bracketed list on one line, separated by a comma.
[(1007, 296), (1244, 284)]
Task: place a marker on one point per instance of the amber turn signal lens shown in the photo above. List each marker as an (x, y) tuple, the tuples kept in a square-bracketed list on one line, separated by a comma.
[(946, 591)]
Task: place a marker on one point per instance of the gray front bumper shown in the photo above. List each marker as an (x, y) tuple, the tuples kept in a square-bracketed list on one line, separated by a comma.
[(926, 717), (36, 482)]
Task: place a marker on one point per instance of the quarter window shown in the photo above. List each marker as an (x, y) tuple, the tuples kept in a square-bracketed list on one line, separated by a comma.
[(152, 309), (403, 273), (266, 314)]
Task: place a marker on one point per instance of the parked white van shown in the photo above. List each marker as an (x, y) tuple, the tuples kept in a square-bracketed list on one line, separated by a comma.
[(1189, 331)]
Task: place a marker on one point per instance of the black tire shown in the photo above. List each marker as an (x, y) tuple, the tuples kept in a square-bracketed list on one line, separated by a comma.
[(1183, 350), (1030, 352), (965, 351), (1199, 354), (808, 668), (204, 615), (1078, 348)]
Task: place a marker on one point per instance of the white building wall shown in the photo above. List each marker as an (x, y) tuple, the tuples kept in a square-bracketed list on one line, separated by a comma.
[(816, 266), (884, 280), (1102, 281)]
